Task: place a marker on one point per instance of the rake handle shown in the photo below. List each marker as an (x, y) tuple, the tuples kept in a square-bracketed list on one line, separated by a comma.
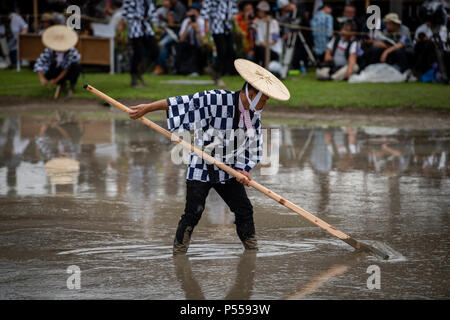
[(288, 204)]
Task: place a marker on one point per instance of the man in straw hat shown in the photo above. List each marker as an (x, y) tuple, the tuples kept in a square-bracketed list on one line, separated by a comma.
[(46, 22), (60, 60), (392, 44), (226, 124)]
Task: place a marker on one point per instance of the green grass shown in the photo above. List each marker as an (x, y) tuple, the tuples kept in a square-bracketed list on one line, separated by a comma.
[(305, 90)]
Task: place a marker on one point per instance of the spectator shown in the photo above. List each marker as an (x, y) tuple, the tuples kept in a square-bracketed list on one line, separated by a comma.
[(341, 54), (392, 45), (138, 14), (322, 25), (348, 14), (46, 22), (295, 14), (175, 16), (261, 44), (219, 14), (5, 61), (113, 15), (244, 24), (17, 26), (189, 51), (288, 15), (430, 50), (161, 14), (60, 61)]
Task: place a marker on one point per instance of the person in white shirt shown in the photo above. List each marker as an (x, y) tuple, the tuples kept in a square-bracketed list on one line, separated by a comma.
[(189, 50), (340, 56), (260, 26), (425, 29), (17, 26)]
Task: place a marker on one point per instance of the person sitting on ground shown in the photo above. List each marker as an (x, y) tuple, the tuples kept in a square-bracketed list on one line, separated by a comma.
[(392, 45), (60, 60), (431, 49), (340, 57), (189, 49), (261, 35), (244, 25)]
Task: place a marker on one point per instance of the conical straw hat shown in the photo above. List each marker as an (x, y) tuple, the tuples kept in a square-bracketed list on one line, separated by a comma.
[(262, 79), (59, 38)]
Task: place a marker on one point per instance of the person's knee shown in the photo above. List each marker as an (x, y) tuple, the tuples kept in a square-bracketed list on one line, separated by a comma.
[(192, 214)]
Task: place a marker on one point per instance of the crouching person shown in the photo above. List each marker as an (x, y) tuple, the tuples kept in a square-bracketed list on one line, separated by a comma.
[(340, 60), (60, 61)]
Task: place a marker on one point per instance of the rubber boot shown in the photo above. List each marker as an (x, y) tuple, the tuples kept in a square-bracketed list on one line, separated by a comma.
[(250, 244), (181, 248)]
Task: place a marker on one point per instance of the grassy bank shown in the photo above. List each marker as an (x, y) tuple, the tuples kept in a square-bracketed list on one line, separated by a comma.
[(305, 90)]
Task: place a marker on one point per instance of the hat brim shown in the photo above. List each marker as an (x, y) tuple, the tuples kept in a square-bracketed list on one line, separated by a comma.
[(262, 79), (59, 38)]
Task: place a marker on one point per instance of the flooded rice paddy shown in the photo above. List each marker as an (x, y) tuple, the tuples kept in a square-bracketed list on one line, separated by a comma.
[(104, 196)]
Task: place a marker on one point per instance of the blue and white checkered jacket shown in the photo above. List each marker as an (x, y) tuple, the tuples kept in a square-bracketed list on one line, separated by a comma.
[(48, 57), (212, 116), (219, 14), (138, 18)]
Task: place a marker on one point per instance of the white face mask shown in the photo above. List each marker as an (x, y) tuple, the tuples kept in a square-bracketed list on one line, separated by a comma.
[(253, 103)]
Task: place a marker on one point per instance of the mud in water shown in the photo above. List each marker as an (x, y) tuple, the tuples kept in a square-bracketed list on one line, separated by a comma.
[(104, 196)]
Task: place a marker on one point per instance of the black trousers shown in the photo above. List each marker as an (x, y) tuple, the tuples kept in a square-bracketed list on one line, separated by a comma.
[(225, 53), (234, 195), (189, 58), (373, 54), (260, 55), (145, 49), (72, 74)]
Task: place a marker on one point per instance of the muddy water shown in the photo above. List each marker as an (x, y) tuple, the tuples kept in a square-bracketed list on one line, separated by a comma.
[(102, 195)]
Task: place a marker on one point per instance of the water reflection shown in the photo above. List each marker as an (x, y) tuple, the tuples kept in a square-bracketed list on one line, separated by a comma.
[(110, 183), (241, 289), (336, 269), (48, 155), (95, 158), (388, 151)]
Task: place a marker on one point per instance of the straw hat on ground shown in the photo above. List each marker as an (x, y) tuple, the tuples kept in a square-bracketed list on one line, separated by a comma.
[(392, 17), (262, 79), (59, 38)]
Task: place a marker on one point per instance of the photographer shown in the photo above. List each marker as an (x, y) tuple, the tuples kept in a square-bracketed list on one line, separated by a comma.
[(189, 50), (431, 50), (244, 26)]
